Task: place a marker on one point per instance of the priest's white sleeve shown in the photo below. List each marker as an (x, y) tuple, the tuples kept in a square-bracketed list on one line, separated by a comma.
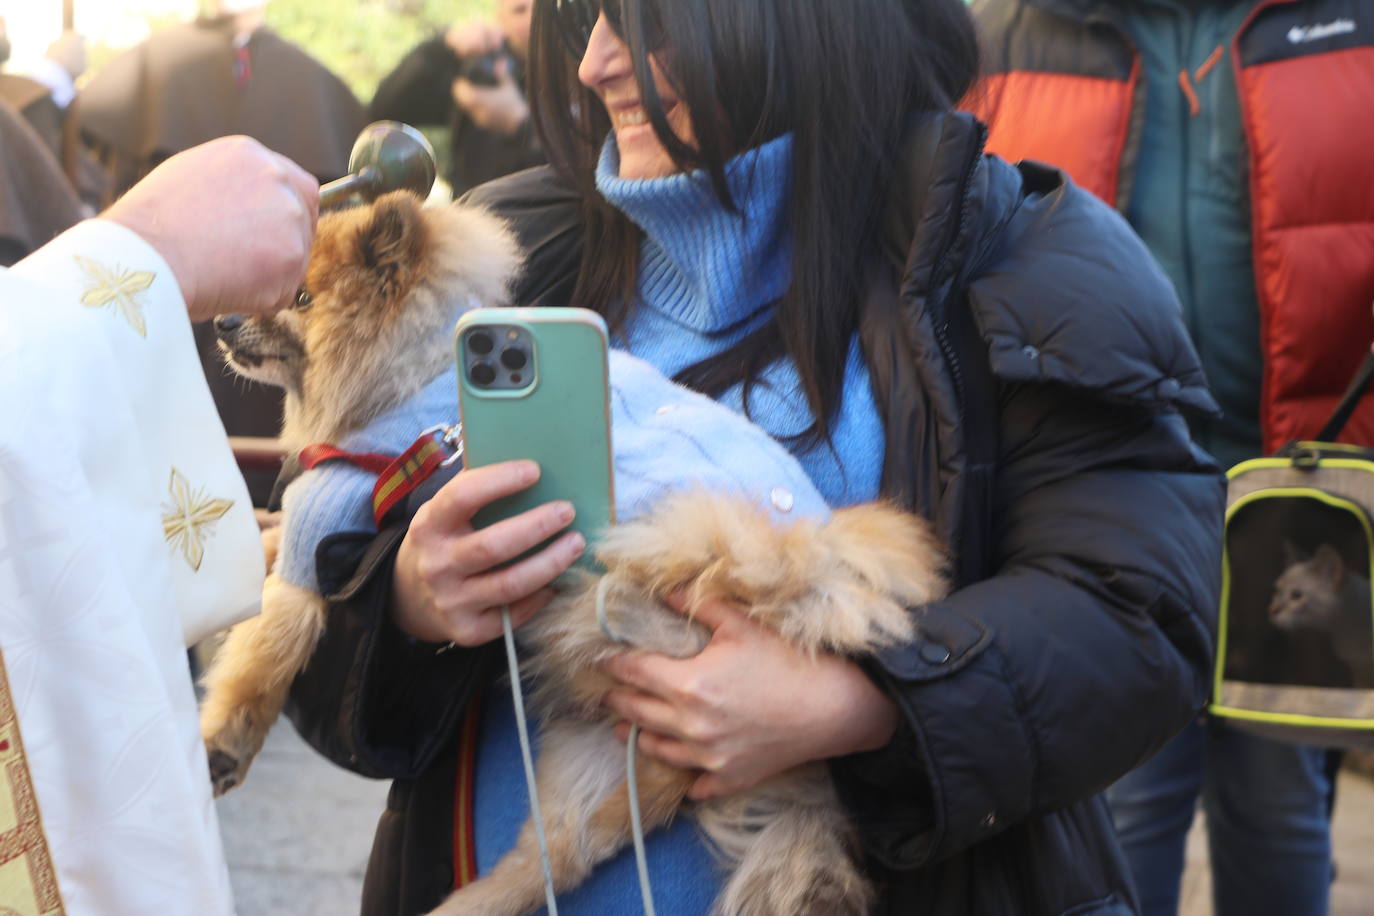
[(126, 533)]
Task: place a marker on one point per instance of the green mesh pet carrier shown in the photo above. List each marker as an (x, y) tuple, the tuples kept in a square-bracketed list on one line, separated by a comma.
[(1295, 655)]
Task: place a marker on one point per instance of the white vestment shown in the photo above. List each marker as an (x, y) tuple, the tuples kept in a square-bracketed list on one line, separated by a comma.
[(126, 534)]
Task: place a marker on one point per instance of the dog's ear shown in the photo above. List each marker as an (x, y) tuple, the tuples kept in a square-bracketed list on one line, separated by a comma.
[(392, 243)]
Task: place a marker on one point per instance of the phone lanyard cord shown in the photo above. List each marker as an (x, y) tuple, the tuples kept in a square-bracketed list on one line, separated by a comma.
[(519, 695), (646, 892), (631, 778)]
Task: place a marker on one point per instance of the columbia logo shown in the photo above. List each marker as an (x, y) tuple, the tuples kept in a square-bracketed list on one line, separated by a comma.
[(1302, 34)]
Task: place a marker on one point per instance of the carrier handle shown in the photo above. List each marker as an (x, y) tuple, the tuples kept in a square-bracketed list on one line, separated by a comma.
[(1352, 396)]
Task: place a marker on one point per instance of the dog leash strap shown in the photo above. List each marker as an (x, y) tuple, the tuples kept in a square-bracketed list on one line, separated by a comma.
[(396, 477), (399, 478), (437, 447), (464, 824), (314, 455)]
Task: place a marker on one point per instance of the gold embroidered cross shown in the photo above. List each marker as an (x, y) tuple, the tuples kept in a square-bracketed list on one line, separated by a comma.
[(117, 287), (190, 518)]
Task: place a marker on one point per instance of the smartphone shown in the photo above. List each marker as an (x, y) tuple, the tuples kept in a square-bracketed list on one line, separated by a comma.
[(533, 383)]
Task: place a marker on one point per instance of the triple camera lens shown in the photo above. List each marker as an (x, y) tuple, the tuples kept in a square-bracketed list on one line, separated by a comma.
[(513, 358)]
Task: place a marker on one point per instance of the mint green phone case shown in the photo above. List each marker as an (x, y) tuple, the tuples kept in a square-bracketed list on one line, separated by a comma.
[(555, 410)]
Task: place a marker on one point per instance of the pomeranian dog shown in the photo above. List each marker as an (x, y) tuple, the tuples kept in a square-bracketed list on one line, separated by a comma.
[(370, 329), (846, 585), (385, 286)]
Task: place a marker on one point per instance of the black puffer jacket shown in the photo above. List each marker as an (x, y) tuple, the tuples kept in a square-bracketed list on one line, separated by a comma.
[(1029, 361)]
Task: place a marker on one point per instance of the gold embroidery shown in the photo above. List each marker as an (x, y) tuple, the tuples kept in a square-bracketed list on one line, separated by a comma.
[(117, 287), (188, 520), (28, 881)]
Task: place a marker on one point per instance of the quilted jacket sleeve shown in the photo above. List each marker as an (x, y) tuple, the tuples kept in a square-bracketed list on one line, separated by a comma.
[(1090, 644), (1087, 650)]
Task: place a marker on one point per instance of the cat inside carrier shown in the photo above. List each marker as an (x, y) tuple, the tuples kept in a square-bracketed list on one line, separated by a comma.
[(1295, 653)]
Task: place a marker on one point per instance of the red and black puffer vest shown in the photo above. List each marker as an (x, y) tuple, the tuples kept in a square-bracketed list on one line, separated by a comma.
[(1063, 85)]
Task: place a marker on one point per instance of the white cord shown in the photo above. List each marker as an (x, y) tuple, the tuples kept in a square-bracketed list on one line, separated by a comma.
[(518, 695), (637, 824), (646, 891), (631, 779)]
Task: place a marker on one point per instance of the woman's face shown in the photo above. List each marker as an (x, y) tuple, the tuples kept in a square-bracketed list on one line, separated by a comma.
[(608, 71)]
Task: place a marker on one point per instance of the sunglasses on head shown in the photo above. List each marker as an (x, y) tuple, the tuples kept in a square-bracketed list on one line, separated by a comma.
[(577, 18)]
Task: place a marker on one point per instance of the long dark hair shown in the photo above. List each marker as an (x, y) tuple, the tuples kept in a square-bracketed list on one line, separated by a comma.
[(841, 75)]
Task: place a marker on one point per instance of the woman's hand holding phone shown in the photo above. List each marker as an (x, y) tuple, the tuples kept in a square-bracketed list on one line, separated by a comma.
[(450, 582)]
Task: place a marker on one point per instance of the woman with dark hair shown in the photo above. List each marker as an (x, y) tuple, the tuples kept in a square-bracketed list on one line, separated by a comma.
[(773, 202)]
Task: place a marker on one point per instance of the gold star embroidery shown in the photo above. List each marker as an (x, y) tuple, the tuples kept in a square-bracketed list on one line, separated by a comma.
[(117, 287), (190, 518)]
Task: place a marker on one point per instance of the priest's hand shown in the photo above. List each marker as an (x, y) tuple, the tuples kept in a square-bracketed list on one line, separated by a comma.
[(233, 220)]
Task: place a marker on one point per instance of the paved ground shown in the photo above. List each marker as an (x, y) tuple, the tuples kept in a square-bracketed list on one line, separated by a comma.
[(298, 833)]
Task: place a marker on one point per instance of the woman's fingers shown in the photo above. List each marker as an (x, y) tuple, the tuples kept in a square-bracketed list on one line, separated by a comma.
[(512, 583), (482, 628), (710, 785), (647, 711), (457, 501), (503, 541), (712, 612), (669, 750), (648, 672), (684, 756), (449, 577)]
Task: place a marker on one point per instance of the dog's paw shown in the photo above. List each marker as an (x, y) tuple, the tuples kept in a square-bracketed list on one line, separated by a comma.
[(231, 743), (226, 771)]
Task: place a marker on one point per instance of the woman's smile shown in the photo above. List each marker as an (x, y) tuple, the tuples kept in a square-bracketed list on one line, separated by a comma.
[(608, 70)]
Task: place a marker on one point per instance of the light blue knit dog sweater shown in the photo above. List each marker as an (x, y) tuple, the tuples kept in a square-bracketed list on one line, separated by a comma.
[(664, 437)]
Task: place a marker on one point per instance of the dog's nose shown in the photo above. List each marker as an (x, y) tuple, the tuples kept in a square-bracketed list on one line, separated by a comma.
[(227, 324)]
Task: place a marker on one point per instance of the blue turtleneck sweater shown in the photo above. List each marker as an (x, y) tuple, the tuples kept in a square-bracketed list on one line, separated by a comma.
[(707, 278)]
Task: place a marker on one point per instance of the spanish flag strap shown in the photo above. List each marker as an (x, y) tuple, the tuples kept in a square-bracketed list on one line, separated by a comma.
[(437, 447), (464, 826), (407, 472)]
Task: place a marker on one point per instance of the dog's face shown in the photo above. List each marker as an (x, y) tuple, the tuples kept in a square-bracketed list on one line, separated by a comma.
[(374, 319), (363, 264)]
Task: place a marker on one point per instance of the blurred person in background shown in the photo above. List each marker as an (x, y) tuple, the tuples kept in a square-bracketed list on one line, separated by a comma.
[(224, 73), (42, 96), (36, 201), (471, 79), (1234, 136)]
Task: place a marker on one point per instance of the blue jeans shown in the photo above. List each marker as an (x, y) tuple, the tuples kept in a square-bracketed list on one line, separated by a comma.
[(1267, 826)]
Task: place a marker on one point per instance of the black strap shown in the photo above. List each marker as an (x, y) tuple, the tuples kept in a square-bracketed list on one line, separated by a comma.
[(290, 470), (1352, 396)]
